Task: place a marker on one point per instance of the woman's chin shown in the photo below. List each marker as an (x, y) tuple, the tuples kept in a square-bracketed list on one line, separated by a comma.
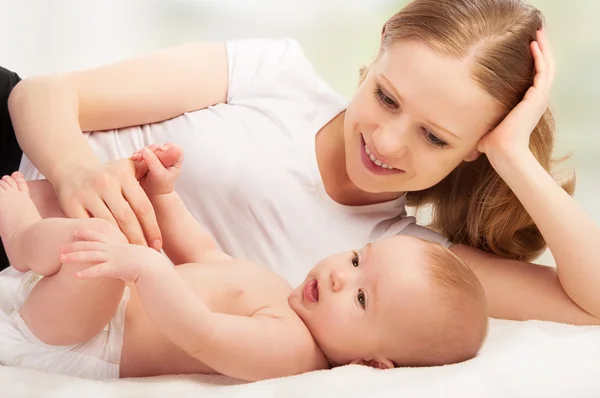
[(371, 184)]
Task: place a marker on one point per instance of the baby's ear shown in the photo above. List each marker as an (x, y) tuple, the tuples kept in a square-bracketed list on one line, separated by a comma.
[(379, 363)]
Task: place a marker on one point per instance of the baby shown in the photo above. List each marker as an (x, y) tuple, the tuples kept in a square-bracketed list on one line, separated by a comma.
[(105, 308)]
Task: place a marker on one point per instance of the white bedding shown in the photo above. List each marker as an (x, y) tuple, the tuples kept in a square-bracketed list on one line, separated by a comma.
[(520, 359)]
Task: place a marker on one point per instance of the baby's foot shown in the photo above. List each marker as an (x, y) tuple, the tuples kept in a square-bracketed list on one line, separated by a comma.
[(168, 154), (17, 213)]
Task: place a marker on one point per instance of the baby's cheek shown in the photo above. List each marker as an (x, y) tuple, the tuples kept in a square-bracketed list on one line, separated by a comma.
[(337, 322)]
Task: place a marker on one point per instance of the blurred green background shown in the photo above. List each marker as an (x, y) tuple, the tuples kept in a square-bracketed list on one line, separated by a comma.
[(43, 36)]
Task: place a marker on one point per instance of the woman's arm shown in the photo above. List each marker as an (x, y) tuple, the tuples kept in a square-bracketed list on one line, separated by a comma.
[(522, 290), (50, 112), (571, 235), (519, 290)]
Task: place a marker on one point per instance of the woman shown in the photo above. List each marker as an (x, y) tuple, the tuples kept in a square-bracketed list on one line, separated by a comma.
[(449, 114)]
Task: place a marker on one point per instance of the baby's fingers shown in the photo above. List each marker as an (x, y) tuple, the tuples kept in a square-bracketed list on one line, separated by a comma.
[(91, 235), (110, 270), (154, 164), (84, 256), (102, 270), (82, 245)]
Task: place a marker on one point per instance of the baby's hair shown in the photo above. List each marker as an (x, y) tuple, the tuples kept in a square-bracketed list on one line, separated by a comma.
[(460, 328)]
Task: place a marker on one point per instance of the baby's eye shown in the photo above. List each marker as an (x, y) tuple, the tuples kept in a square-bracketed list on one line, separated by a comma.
[(362, 299), (355, 259)]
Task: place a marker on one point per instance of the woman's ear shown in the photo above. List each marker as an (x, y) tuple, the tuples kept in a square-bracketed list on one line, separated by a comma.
[(473, 155), (379, 363)]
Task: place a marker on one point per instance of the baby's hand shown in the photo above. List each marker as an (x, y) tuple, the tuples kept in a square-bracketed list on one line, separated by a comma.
[(161, 166), (111, 259)]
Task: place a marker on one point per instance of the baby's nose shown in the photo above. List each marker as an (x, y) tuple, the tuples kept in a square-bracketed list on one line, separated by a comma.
[(338, 280)]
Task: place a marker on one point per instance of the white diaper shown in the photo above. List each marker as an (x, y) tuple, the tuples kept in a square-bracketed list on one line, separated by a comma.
[(99, 358)]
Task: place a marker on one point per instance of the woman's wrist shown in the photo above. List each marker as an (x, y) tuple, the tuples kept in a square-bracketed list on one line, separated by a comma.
[(68, 165), (512, 160)]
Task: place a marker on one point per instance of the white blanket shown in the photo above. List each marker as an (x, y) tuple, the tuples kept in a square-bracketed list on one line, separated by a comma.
[(519, 359)]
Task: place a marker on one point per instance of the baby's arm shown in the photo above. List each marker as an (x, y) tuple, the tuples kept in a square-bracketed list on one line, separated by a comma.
[(184, 239), (251, 348)]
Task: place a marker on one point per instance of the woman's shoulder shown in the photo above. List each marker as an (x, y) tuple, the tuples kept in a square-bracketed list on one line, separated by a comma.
[(277, 68), (267, 53)]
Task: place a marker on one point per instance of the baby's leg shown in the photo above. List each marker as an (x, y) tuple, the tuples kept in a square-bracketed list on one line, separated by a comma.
[(61, 309), (30, 242), (20, 227), (43, 196)]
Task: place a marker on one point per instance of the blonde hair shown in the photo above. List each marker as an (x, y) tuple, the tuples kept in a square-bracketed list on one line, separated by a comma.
[(459, 327), (473, 205), (464, 318)]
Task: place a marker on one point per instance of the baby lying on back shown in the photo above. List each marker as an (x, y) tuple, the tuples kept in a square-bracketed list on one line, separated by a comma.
[(125, 311)]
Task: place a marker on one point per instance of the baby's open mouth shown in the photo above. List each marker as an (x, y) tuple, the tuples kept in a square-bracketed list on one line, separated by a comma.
[(311, 291)]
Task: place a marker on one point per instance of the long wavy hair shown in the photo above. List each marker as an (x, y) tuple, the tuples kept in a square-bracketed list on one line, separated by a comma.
[(473, 205)]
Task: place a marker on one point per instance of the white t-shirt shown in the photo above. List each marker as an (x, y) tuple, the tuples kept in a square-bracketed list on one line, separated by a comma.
[(250, 174)]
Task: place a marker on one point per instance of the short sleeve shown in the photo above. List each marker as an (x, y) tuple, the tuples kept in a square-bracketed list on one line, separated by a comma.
[(256, 63), (418, 231)]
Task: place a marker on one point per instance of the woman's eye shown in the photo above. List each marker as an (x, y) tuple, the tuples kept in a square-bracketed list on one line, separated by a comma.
[(362, 300), (385, 100), (355, 260), (434, 140)]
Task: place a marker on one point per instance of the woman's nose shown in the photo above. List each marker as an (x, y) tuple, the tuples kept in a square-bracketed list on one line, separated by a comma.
[(391, 141)]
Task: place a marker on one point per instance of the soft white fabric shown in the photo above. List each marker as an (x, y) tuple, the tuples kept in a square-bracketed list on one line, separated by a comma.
[(250, 174), (98, 358), (519, 360)]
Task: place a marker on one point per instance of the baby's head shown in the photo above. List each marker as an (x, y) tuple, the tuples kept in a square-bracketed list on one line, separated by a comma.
[(401, 301)]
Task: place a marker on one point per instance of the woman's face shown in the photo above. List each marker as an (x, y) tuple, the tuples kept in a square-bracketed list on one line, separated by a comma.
[(416, 117)]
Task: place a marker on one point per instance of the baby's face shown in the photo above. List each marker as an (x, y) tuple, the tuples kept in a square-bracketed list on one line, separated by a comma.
[(355, 302)]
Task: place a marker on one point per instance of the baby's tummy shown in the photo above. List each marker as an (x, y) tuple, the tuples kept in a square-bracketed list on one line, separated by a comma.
[(147, 352)]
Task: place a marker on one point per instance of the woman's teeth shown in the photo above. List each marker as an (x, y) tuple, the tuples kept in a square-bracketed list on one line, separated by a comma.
[(377, 161)]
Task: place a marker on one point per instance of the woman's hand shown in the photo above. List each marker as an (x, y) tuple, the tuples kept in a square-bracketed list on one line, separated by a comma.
[(110, 191), (512, 134)]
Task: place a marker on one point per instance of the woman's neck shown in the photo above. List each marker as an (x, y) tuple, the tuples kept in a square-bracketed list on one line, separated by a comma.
[(331, 159)]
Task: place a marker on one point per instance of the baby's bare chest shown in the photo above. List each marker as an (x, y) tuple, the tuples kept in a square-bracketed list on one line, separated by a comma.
[(236, 287)]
